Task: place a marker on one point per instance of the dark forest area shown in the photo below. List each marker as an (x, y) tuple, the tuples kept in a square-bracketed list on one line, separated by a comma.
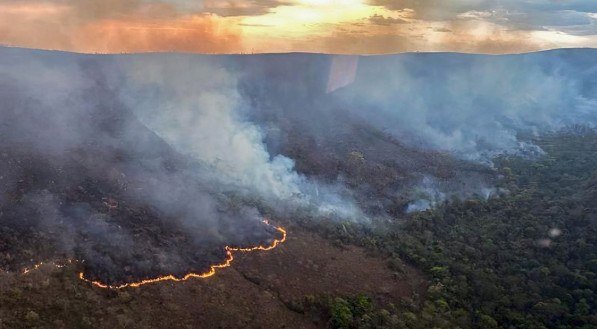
[(525, 259)]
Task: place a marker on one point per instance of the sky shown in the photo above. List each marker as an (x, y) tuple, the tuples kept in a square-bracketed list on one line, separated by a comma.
[(323, 26)]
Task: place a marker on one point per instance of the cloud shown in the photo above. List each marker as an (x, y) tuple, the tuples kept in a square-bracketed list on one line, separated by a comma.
[(241, 7), (127, 26), (440, 10), (201, 33), (291, 25), (382, 20), (457, 36), (342, 42), (433, 9), (442, 29), (484, 37), (514, 14)]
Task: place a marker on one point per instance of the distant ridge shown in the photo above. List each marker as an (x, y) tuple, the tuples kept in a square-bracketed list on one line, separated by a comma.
[(3, 47)]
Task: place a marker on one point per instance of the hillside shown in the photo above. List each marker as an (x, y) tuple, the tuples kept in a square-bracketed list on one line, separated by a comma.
[(417, 190)]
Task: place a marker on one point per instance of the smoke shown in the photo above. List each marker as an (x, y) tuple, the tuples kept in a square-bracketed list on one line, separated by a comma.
[(194, 104), (195, 107), (115, 26), (141, 165), (443, 116), (473, 106), (86, 179), (171, 157), (427, 194)]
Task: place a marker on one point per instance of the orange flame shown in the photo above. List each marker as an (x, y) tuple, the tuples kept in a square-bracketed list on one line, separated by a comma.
[(40, 264), (212, 270)]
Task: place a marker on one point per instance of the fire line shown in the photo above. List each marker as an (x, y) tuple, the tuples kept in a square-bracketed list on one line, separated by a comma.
[(212, 270)]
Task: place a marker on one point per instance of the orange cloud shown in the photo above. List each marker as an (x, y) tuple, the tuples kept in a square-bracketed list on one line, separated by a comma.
[(233, 26), (242, 7), (33, 24), (481, 37), (128, 26), (199, 33)]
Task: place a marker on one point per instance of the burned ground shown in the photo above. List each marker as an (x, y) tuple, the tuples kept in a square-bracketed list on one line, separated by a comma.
[(82, 189), (70, 211), (80, 183), (84, 178), (261, 290)]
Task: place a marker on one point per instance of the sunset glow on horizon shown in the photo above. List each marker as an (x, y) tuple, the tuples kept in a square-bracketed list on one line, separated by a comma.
[(328, 26)]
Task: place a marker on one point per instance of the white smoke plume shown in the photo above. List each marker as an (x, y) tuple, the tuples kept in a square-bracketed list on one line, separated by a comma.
[(474, 106), (151, 154), (193, 103)]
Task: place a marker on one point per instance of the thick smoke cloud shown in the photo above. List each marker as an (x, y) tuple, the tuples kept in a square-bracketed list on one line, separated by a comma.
[(474, 106), (142, 160), (170, 157), (194, 104), (432, 106), (137, 168), (82, 171)]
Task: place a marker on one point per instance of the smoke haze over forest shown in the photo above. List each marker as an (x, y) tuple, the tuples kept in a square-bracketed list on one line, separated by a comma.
[(203, 143)]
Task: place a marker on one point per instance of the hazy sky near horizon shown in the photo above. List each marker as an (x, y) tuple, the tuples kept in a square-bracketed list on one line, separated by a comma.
[(330, 26)]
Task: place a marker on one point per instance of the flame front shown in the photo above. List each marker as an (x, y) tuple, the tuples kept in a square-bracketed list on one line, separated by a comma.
[(212, 270), (40, 264)]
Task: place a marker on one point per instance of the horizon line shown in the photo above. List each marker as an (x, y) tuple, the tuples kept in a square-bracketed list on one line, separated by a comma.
[(288, 52)]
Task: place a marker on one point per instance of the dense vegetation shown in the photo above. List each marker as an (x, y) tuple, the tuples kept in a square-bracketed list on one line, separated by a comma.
[(525, 259)]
